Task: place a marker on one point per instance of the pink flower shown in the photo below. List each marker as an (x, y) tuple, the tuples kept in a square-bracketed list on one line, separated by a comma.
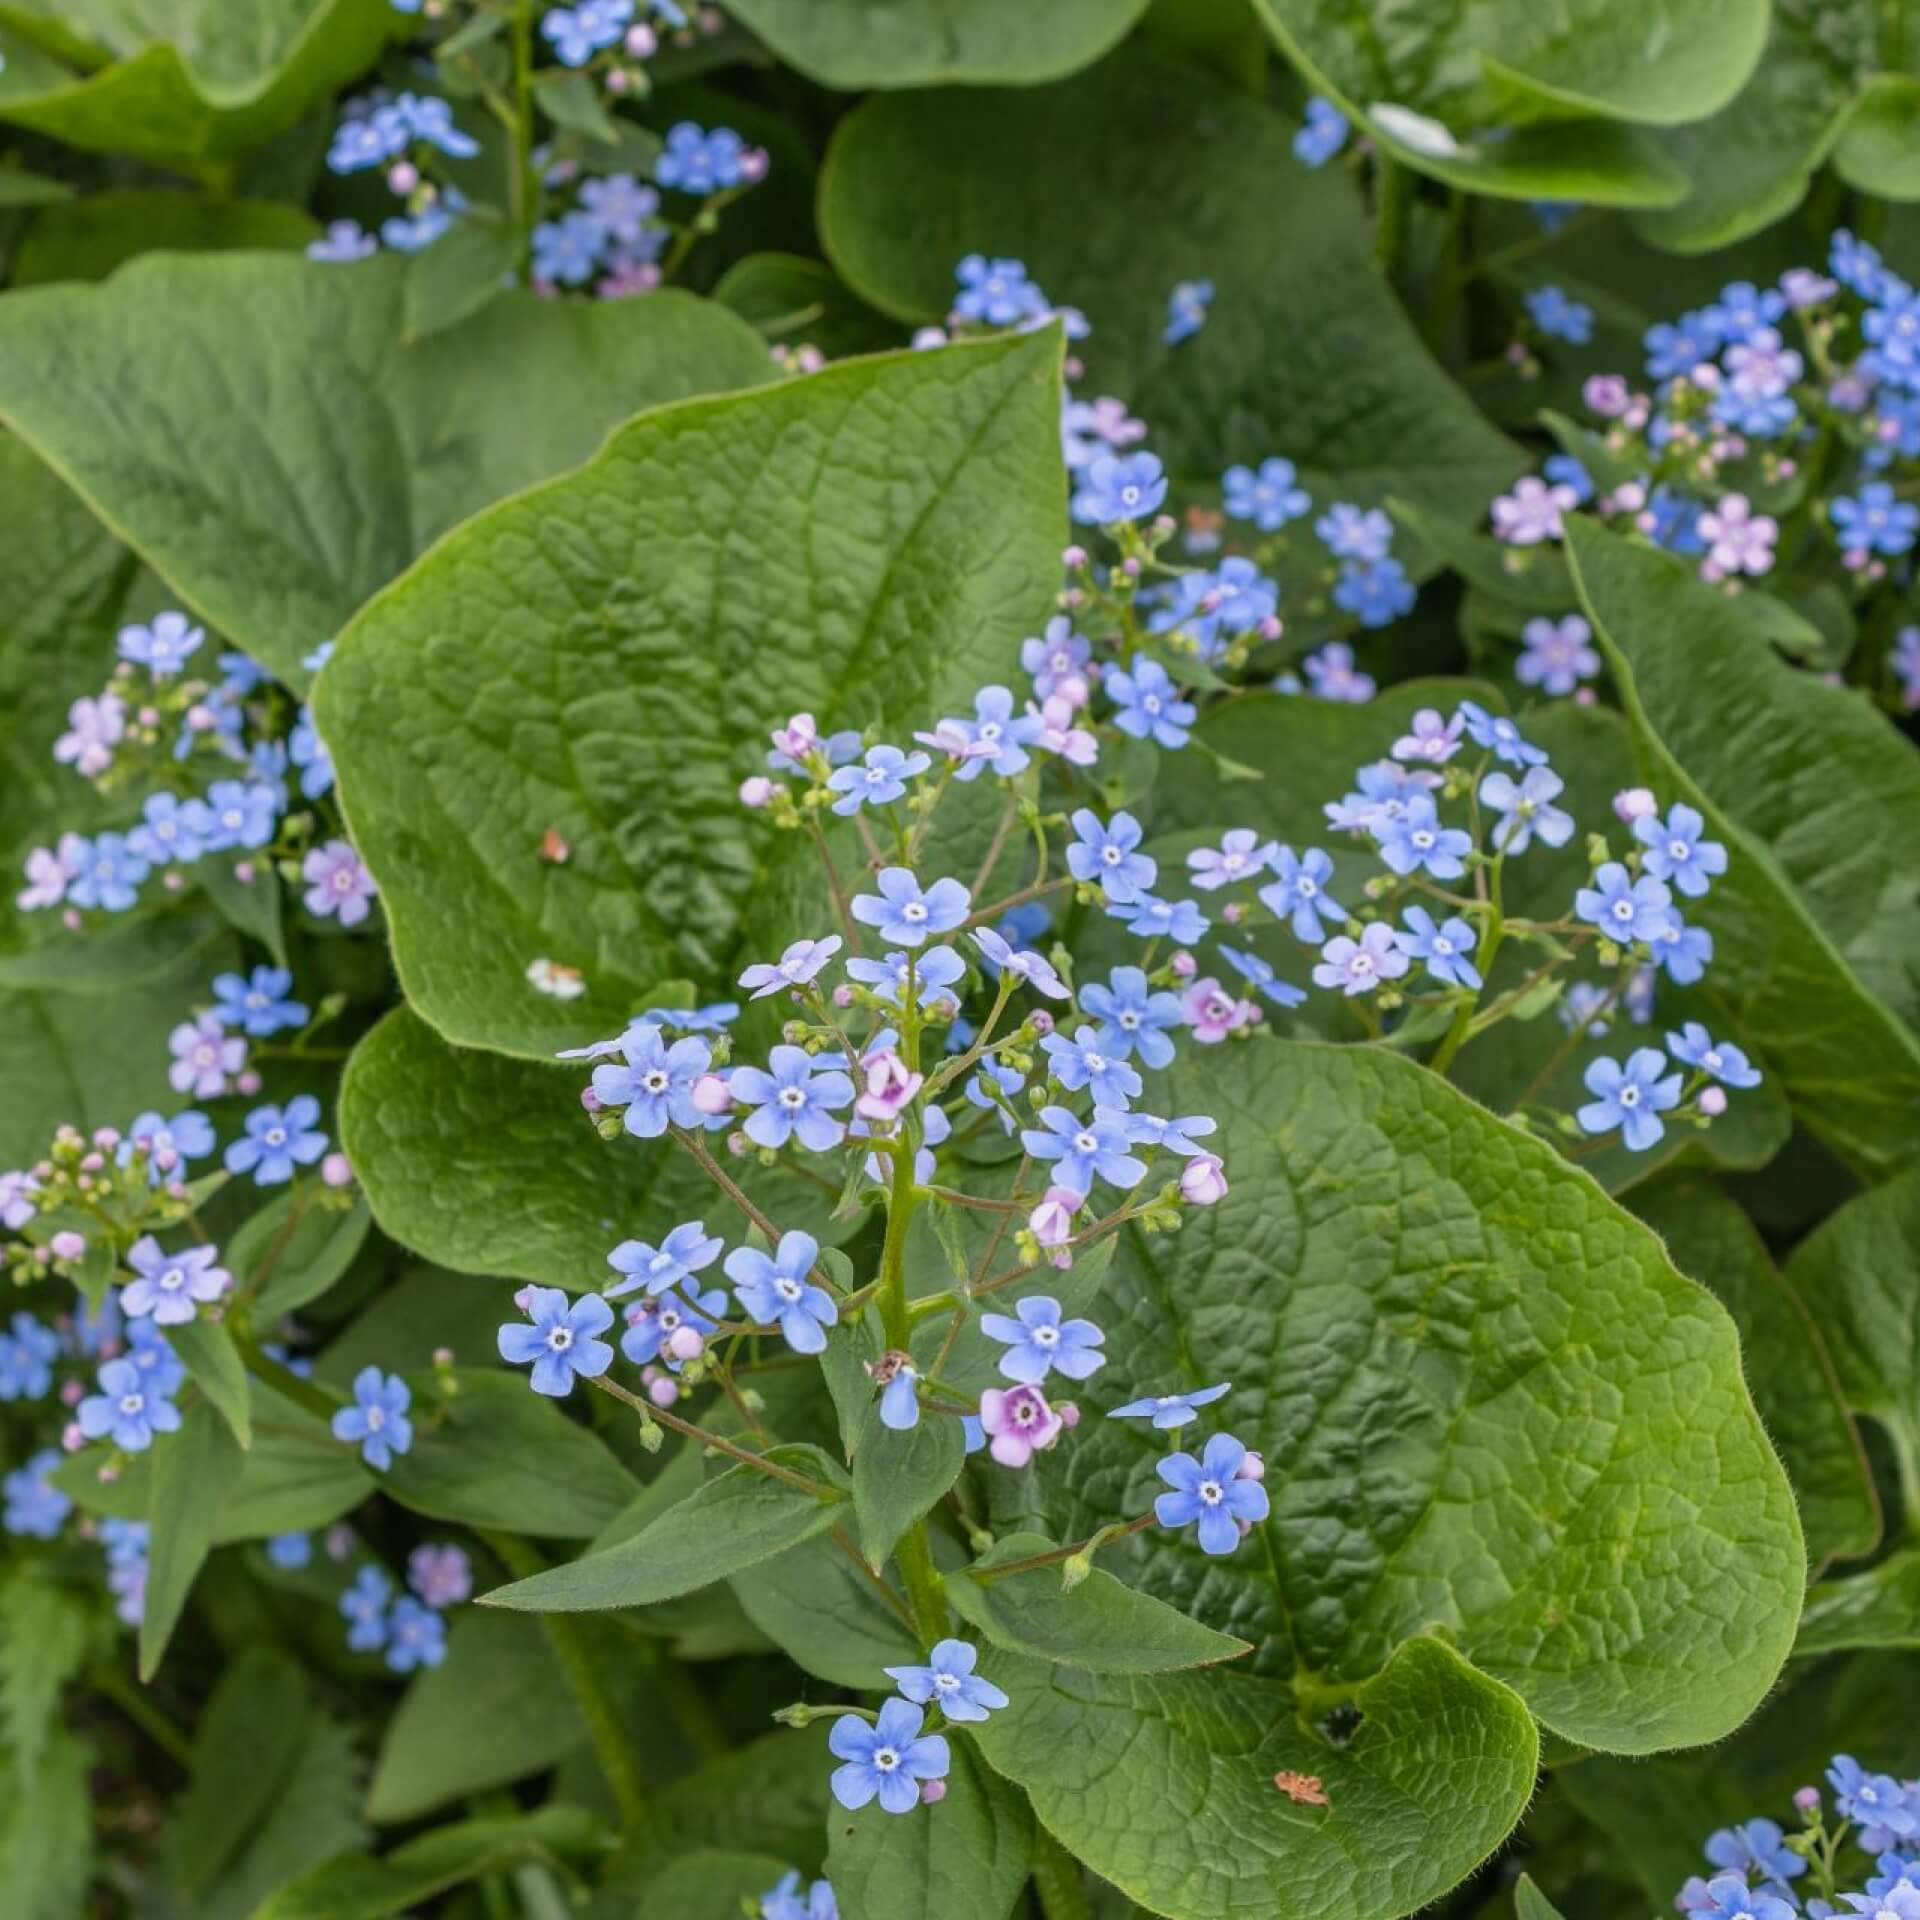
[(1739, 540), (891, 1083), (1635, 803), (337, 1170), (1212, 1012), (337, 883), (95, 728), (1531, 512), (1018, 1423), (47, 877), (1607, 394), (1203, 1181), (797, 738), (205, 1057), (1052, 1220)]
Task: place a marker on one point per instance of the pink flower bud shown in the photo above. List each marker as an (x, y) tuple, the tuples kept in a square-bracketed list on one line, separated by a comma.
[(248, 1082), (710, 1094), (663, 1390), (523, 1297), (403, 176), (1713, 1101), (1130, 566), (738, 1143), (753, 164), (1073, 558), (589, 1099), (68, 1245), (1583, 697), (337, 1170), (72, 1392), (1635, 803), (1234, 912), (1807, 1799), (1203, 1181), (243, 872), (93, 1162), (686, 1343), (1607, 394), (106, 1138), (618, 80), (891, 1083), (1253, 1467), (1271, 628), (932, 1792), (1184, 964), (1069, 1412), (1041, 1020), (72, 1440), (756, 792), (642, 42), (338, 1541), (173, 880), (443, 1356), (1051, 1221)]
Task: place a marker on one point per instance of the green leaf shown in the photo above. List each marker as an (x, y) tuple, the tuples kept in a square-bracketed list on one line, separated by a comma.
[(1100, 1624), (46, 1833), (213, 1360), (244, 1752), (250, 906), (1787, 1363), (1156, 1782), (46, 1632), (296, 408), (294, 1249), (968, 1864), (83, 1023), (913, 182), (816, 1604), (1803, 916), (496, 1454), (182, 83), (709, 1885), (1879, 147), (774, 1788), (455, 277), (798, 301), (359, 1887), (87, 239), (1877, 1608), (799, 546), (1532, 578), (898, 1477), (572, 101), (1861, 1268), (19, 189), (854, 45), (1562, 1406), (497, 1709), (194, 1472), (736, 1520), (1529, 1903)]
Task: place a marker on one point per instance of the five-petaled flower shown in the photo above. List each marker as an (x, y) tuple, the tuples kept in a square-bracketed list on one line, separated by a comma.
[(1631, 1097), (170, 1285), (886, 1760), (1212, 1491), (779, 1290), (377, 1420), (905, 913), (948, 1681), (1039, 1342)]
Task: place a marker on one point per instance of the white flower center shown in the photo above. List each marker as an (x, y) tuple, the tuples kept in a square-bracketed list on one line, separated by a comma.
[(914, 910), (559, 1338), (946, 1682), (1046, 1336), (1623, 911), (131, 1403), (788, 1290), (1678, 850), (1360, 964), (656, 1081), (793, 1098), (1306, 887), (1129, 1020), (1629, 1096), (1151, 703), (376, 1419), (1211, 1492), (1442, 945), (885, 1759), (275, 1136), (1084, 1142)]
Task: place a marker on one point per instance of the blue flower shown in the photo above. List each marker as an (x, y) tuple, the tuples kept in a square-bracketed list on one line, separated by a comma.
[(1556, 655), (27, 1358), (1875, 1802), (1082, 1149), (778, 1289), (576, 34), (1148, 704), (414, 233), (792, 1100), (1169, 1410), (1270, 496), (429, 118), (1035, 969), (686, 1250), (1722, 1059), (105, 871), (309, 753), (1056, 656), (1081, 1062), (701, 163), (244, 814), (1743, 309), (1755, 1846), (1258, 973), (171, 829), (290, 1551), (906, 915), (1684, 952), (715, 1017), (991, 1074), (936, 971), (152, 1352), (1499, 736), (343, 242), (562, 1340), (567, 251), (35, 1507), (1558, 317), (1039, 1341), (367, 137), (1675, 851), (1322, 135), (802, 960), (1108, 856), (168, 1144), (652, 1323), (879, 780), (1677, 347), (783, 1903), (1212, 1492), (1133, 1020), (996, 292), (164, 647), (1186, 310), (1181, 1136), (1299, 893), (1447, 950), (995, 738), (1116, 486), (126, 1408), (1416, 840), (888, 1759), (1240, 855), (277, 1140), (1631, 1097), (950, 1683), (1623, 908), (377, 1420), (655, 1081), (1154, 919), (1355, 533), (1875, 520), (416, 1636), (1526, 809), (1235, 597), (257, 1004), (365, 1606)]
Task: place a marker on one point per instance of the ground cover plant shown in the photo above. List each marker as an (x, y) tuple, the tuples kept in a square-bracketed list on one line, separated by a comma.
[(961, 960)]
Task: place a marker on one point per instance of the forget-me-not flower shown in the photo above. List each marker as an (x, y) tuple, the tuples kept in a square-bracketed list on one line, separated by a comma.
[(778, 1290), (1084, 1149), (1210, 1494), (1631, 1096), (887, 1760), (792, 1099), (1447, 950), (1039, 1342), (949, 1682), (1623, 908), (562, 1341), (1677, 853), (904, 913), (685, 1251), (1132, 1018), (276, 1140), (1526, 808), (1170, 1410), (1298, 893), (1108, 855), (377, 1420)]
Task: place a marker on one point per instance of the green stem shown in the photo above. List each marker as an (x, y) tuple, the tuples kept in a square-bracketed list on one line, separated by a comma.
[(138, 1708), (1490, 937), (1057, 1880), (1392, 196), (283, 1380), (611, 1746), (523, 186)]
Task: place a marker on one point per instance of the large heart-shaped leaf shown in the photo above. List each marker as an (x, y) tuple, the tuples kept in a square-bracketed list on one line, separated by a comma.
[(86, 239), (253, 426), (855, 44), (602, 656), (1202, 184), (181, 83), (1807, 896)]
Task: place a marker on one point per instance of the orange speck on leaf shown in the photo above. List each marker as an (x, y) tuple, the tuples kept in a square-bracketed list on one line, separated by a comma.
[(1303, 1789)]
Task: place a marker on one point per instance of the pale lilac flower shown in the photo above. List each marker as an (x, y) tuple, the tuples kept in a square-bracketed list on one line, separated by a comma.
[(1432, 738), (1738, 539), (1240, 855), (337, 883), (94, 729), (1557, 654), (1531, 512), (1212, 1012), (799, 964), (1359, 966), (1018, 1423), (890, 1086), (47, 877), (205, 1057), (169, 1285), (1203, 1183)]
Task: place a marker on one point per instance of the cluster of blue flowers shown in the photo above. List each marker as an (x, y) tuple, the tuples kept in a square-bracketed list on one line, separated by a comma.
[(1760, 1871), (409, 1630)]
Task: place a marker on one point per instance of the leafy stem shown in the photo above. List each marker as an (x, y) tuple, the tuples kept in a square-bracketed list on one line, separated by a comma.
[(800, 1482)]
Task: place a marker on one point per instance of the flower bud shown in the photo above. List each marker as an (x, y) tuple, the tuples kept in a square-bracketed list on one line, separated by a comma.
[(1073, 558), (244, 872), (72, 1392), (1713, 1101), (1635, 803), (932, 1792), (68, 1245), (890, 1084), (1069, 1412), (523, 1298), (1203, 1181), (72, 1440), (1807, 1800), (338, 1541), (756, 792), (403, 176), (710, 1094), (663, 1390), (1606, 394), (686, 1343), (337, 1170), (248, 1082), (1184, 964), (1051, 1221), (642, 42), (1253, 1467)]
